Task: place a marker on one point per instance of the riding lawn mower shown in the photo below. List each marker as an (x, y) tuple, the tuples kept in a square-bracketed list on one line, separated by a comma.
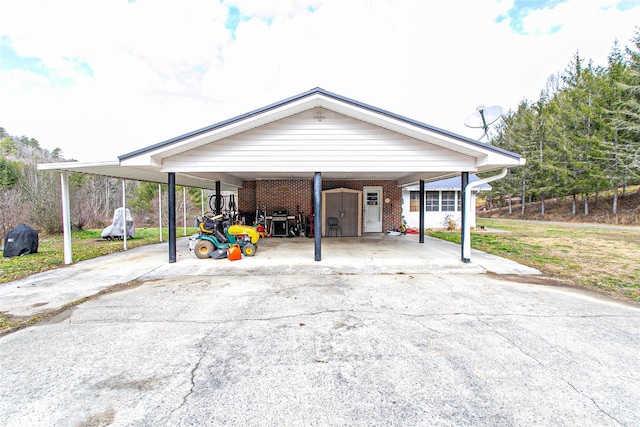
[(217, 236)]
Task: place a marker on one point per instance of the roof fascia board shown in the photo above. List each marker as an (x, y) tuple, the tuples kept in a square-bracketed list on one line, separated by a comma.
[(449, 136), (422, 132), (311, 168), (496, 161), (280, 105), (217, 133), (417, 177), (450, 183), (113, 169), (69, 166), (196, 182), (485, 187), (224, 178), (314, 98)]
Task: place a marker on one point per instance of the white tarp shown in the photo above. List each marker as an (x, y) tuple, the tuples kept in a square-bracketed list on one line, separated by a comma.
[(115, 230)]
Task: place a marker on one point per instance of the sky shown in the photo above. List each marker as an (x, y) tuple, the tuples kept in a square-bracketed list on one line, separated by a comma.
[(102, 78)]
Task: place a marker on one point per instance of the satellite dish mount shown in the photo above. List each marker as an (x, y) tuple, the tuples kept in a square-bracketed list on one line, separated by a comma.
[(483, 117)]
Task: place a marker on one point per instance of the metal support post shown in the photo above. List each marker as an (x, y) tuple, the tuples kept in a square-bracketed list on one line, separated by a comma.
[(317, 215), (172, 216), (422, 207)]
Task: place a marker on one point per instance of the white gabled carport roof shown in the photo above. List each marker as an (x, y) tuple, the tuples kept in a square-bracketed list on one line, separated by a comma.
[(416, 140), (413, 138), (114, 169), (357, 141)]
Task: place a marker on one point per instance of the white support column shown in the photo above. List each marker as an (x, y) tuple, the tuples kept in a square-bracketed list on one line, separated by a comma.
[(66, 217), (160, 210), (171, 184), (184, 210), (107, 194), (124, 212), (466, 231)]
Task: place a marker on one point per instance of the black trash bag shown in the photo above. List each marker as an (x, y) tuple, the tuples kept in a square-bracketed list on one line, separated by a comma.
[(22, 240)]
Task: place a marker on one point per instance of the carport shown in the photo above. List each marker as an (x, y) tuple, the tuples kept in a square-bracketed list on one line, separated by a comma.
[(316, 135)]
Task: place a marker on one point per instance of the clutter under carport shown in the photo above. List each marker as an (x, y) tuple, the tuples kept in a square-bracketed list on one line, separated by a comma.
[(281, 223), (218, 238)]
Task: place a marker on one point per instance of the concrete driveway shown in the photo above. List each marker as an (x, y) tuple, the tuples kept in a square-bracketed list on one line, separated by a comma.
[(381, 332)]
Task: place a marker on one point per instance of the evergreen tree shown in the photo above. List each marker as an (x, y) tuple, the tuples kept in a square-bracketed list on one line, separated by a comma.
[(618, 167), (626, 117), (9, 174)]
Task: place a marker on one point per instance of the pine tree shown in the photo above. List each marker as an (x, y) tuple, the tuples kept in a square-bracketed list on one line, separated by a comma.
[(626, 119)]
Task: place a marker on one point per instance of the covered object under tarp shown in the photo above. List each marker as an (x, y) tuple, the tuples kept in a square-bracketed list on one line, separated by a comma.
[(116, 229), (22, 240)]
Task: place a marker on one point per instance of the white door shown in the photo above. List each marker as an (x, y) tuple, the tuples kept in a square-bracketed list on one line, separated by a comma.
[(372, 209)]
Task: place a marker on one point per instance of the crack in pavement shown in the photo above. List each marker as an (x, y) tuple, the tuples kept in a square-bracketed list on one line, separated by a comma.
[(591, 399), (192, 374), (384, 311), (549, 369)]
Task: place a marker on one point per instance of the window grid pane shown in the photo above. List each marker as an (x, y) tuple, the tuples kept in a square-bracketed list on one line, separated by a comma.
[(414, 201), (432, 201), (449, 201)]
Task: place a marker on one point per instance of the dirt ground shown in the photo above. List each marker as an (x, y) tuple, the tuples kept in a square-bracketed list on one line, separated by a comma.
[(561, 209)]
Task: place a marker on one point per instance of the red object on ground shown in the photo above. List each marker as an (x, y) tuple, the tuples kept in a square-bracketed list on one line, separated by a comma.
[(234, 253)]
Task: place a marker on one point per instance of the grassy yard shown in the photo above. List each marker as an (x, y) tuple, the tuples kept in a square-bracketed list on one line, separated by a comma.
[(85, 245), (597, 258)]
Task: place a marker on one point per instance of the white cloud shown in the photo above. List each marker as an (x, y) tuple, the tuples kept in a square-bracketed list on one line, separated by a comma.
[(161, 68), (272, 9)]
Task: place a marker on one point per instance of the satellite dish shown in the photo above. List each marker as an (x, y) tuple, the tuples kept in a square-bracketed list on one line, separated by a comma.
[(483, 117)]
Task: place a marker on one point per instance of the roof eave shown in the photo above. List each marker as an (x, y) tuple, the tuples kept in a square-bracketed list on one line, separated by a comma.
[(316, 92)]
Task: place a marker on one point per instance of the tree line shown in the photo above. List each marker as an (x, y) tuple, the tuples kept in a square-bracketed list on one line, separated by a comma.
[(581, 136), (32, 197)]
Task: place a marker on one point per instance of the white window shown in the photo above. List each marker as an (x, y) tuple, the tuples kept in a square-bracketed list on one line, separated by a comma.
[(433, 201), (414, 201), (448, 201)]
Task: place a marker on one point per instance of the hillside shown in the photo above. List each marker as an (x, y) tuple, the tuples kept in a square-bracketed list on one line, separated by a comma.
[(560, 209)]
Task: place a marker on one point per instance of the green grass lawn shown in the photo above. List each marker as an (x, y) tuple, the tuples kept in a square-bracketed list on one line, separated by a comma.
[(85, 244), (602, 259)]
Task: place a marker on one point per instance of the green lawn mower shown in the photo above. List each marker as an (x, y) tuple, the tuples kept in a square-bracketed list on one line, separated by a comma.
[(217, 235)]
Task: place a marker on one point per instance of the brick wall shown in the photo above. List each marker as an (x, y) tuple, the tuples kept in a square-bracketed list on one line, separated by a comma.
[(290, 193), (272, 194), (247, 197), (391, 212)]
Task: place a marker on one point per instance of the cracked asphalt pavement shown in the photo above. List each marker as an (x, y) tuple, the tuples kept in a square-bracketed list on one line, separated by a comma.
[(312, 348)]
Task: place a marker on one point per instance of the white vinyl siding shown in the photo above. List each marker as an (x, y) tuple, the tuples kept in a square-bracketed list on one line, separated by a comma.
[(302, 143), (440, 206)]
